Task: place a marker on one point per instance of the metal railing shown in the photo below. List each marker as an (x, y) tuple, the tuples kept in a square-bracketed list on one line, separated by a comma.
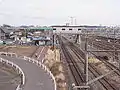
[(17, 69), (38, 63), (9, 54)]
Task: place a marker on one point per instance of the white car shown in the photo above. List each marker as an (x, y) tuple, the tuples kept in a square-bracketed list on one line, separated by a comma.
[(1, 42), (9, 42)]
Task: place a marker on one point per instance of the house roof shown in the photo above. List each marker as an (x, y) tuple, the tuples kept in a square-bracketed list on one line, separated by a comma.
[(6, 30), (40, 38)]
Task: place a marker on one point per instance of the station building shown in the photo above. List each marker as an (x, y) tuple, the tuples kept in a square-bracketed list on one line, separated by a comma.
[(74, 29)]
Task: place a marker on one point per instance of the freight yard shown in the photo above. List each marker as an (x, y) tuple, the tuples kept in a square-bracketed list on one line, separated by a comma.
[(81, 60), (59, 44), (98, 64)]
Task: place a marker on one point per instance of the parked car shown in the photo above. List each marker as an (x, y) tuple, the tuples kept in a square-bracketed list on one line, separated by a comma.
[(9, 42), (1, 42)]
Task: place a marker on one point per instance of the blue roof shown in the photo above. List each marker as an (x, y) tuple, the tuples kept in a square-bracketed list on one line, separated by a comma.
[(40, 38), (37, 38)]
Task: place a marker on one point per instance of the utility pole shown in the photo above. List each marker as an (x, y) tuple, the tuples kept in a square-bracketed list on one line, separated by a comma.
[(75, 21), (53, 41), (114, 46), (86, 62), (85, 86), (26, 34), (71, 20)]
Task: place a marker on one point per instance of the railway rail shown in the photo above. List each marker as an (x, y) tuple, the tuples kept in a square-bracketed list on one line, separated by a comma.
[(108, 45), (94, 71), (73, 67), (104, 82), (103, 46)]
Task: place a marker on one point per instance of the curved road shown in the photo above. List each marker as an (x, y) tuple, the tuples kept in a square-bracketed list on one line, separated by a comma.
[(6, 80), (36, 78)]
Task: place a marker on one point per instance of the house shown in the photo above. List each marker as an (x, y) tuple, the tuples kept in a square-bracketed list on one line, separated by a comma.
[(17, 34), (5, 33), (2, 34), (41, 35)]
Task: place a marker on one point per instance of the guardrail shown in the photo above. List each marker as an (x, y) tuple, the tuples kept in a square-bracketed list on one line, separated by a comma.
[(38, 63), (43, 67), (8, 54), (17, 69)]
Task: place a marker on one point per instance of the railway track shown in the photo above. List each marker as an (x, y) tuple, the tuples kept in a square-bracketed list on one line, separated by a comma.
[(95, 72), (74, 68), (108, 64), (108, 45), (104, 82), (102, 46)]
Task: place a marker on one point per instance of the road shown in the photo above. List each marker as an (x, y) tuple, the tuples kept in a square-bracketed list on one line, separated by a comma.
[(5, 81), (36, 78)]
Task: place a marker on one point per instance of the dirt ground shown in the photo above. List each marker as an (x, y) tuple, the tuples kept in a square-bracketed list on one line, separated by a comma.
[(52, 61), (20, 50)]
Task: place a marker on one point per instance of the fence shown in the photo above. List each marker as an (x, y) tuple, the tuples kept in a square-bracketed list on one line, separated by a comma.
[(39, 64), (17, 69)]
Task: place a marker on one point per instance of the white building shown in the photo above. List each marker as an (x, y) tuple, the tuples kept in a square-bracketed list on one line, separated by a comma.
[(74, 29)]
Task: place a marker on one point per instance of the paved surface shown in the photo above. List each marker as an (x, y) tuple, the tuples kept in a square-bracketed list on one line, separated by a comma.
[(4, 84), (36, 78), (6, 80)]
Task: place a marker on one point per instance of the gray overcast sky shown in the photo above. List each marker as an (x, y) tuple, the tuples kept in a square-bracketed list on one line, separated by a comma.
[(55, 12)]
